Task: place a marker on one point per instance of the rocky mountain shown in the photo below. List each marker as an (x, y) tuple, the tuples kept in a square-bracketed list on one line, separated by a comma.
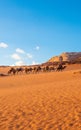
[(67, 56)]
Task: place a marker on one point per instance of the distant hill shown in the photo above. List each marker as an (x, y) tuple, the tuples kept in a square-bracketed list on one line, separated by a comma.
[(67, 57)]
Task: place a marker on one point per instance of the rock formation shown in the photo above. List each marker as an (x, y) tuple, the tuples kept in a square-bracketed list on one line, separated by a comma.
[(67, 56)]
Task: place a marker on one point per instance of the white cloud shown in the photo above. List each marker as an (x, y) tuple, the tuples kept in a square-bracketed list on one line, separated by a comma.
[(37, 48), (20, 51), (19, 63), (12, 65), (29, 56), (3, 45), (34, 63), (15, 56)]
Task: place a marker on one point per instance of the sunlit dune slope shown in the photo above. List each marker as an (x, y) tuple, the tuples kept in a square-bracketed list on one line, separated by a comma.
[(44, 101)]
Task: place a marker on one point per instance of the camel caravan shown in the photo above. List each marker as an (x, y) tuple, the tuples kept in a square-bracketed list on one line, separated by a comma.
[(35, 69), (45, 67)]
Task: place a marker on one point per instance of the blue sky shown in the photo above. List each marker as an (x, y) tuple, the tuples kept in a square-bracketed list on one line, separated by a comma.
[(32, 31)]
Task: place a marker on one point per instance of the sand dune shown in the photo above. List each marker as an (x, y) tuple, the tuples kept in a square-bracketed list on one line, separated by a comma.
[(45, 101)]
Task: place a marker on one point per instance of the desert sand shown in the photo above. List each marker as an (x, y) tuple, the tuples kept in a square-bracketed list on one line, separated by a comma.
[(44, 101)]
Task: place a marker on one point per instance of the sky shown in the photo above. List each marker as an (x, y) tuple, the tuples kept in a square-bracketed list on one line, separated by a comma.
[(33, 31)]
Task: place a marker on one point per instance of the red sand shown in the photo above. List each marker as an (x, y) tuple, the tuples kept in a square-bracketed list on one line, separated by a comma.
[(45, 101)]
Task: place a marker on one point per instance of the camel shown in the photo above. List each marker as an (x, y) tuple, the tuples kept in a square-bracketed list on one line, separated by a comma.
[(38, 69), (60, 67), (12, 70), (28, 70), (19, 70)]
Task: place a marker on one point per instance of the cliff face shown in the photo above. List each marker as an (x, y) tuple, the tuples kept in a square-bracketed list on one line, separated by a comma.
[(67, 56)]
